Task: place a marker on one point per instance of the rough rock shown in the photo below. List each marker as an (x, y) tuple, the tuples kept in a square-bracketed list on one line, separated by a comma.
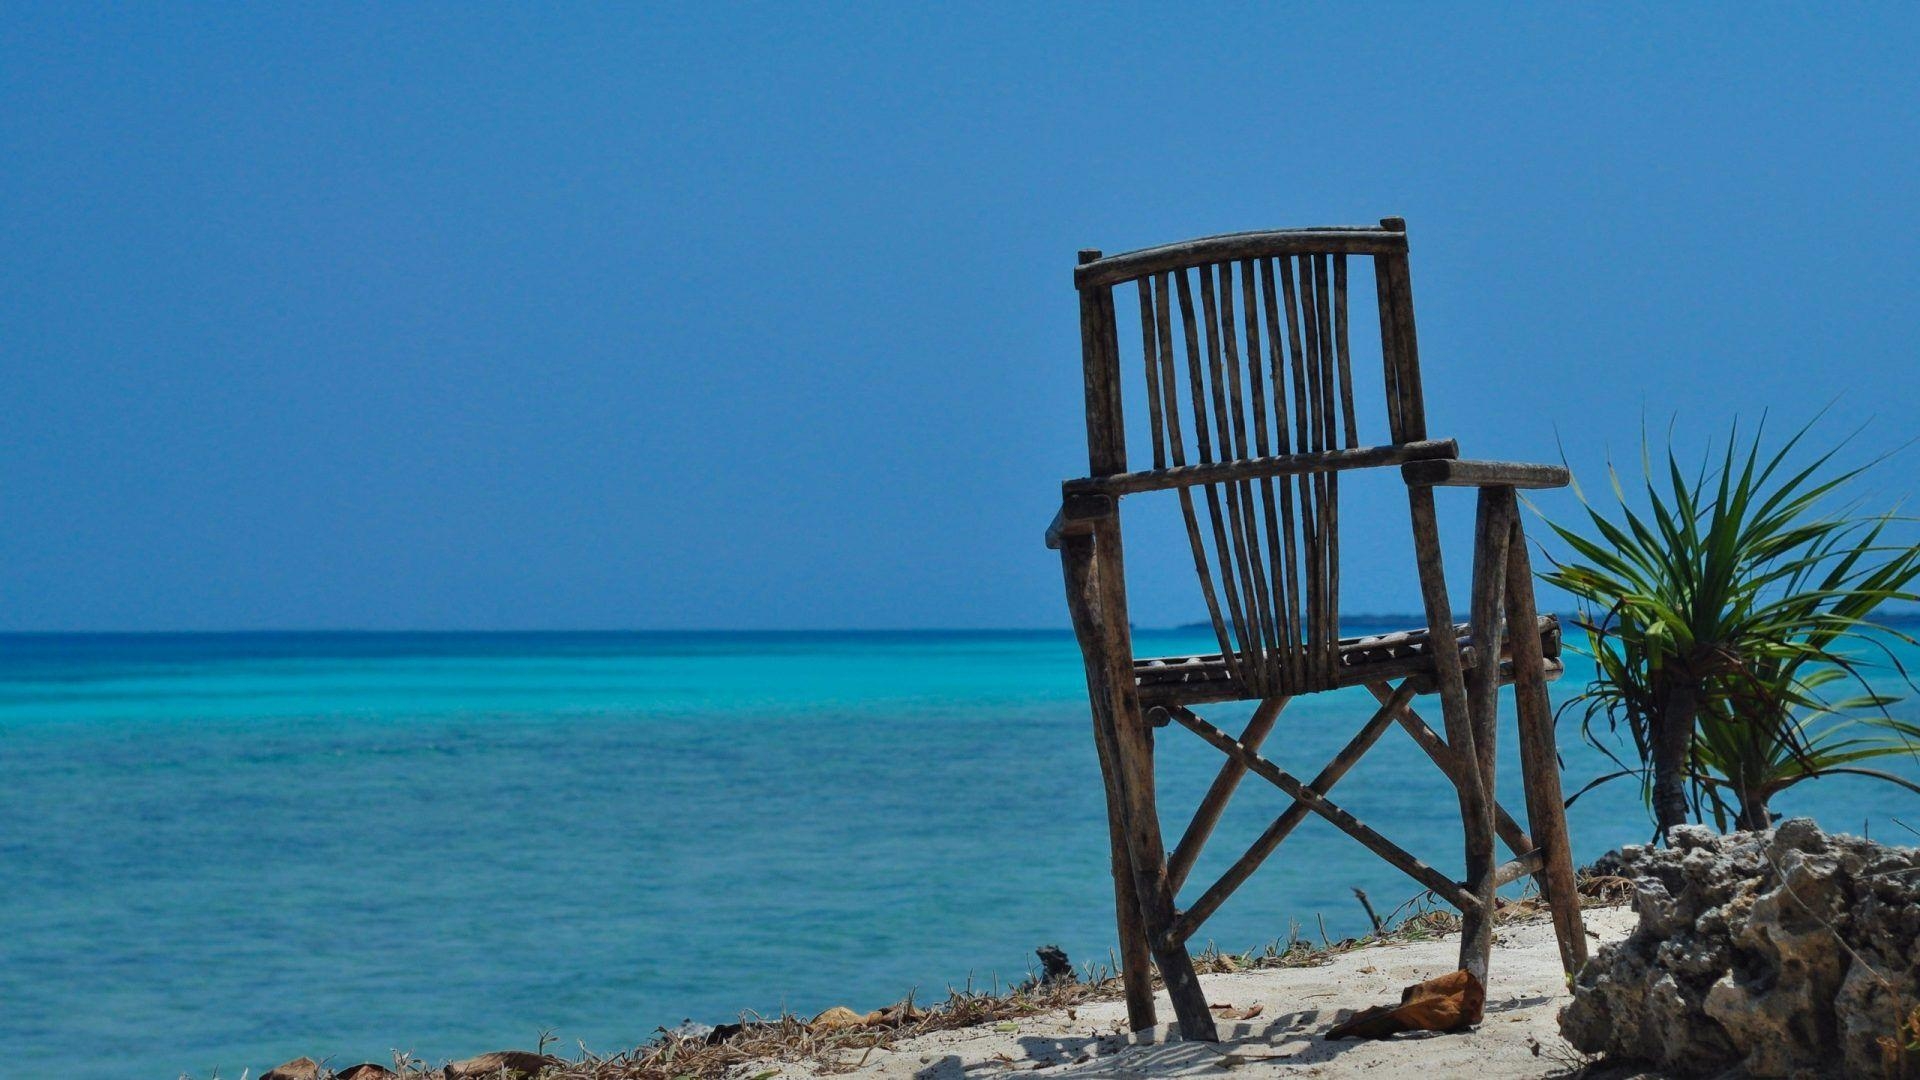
[(300, 1068), (1781, 953), (510, 1063), (366, 1070)]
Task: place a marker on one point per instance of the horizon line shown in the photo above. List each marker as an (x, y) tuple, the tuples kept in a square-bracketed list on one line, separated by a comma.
[(1415, 619)]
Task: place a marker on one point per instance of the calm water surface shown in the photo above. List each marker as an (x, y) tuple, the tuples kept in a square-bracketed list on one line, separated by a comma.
[(223, 851)]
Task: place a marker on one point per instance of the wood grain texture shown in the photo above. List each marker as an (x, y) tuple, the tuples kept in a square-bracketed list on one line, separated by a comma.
[(1476, 810), (1176, 454), (1194, 679), (1405, 358), (1076, 557), (1513, 474), (1132, 746), (1486, 608), (1350, 240), (1539, 758), (1290, 465)]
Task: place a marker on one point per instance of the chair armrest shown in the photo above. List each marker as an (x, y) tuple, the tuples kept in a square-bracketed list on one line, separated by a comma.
[(1076, 516), (1513, 474), (1057, 530)]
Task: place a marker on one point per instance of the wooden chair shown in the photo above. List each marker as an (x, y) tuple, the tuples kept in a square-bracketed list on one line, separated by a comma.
[(1268, 385)]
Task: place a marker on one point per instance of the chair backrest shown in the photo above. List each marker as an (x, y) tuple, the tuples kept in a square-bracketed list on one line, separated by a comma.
[(1250, 398)]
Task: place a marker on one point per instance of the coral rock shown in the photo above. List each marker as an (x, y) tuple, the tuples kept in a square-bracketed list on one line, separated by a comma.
[(1781, 953)]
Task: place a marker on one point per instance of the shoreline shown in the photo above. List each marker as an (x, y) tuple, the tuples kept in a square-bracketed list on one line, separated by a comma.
[(1279, 998)]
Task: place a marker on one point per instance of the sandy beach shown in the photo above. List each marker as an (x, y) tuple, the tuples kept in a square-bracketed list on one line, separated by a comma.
[(1296, 1005)]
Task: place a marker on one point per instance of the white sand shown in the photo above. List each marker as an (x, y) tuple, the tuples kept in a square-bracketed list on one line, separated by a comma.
[(1518, 1038)]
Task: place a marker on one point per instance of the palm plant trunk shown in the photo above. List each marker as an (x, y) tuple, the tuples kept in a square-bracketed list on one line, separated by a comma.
[(1672, 738)]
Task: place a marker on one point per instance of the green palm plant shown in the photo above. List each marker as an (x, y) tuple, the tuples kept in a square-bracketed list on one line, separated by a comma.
[(1717, 616)]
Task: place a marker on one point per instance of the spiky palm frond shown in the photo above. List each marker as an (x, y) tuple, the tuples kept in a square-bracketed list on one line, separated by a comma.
[(1742, 581)]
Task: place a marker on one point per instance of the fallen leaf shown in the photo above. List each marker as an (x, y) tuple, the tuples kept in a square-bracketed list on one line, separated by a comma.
[(1228, 1012), (1451, 1002)]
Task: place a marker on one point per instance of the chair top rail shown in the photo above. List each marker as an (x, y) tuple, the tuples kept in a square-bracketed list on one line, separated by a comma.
[(1180, 476), (1330, 240)]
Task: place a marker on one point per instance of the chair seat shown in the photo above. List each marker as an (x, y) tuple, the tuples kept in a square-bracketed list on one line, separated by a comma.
[(1192, 679)]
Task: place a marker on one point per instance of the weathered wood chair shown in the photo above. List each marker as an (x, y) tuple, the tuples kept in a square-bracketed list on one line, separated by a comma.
[(1273, 428)]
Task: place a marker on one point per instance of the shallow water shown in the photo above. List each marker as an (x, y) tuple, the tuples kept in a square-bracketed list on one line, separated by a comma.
[(223, 851)]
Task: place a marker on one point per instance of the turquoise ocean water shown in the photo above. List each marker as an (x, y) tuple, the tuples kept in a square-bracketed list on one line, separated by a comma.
[(222, 851)]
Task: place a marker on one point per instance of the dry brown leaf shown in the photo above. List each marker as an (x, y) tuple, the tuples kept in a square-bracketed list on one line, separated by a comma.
[(1451, 1002)]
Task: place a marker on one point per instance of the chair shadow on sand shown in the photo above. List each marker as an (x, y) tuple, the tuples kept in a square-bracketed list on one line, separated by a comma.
[(1295, 1038)]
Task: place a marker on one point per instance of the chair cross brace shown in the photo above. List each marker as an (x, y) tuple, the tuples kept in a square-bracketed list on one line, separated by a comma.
[(1441, 885), (1395, 706), (1180, 863), (1509, 830), (1236, 875)]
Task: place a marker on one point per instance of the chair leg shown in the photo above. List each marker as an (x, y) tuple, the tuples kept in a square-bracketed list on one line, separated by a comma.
[(1132, 752), (1492, 530), (1476, 925), (1133, 747), (1539, 759), (1476, 800), (1135, 956), (1076, 556)]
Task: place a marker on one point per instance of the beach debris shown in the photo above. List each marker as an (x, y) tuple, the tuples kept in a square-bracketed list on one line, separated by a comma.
[(300, 1068), (1451, 1002), (1232, 1012), (726, 1031), (512, 1063), (896, 1014), (690, 1030), (1054, 965), (838, 1018), (1771, 953), (1055, 970), (1379, 927), (366, 1070)]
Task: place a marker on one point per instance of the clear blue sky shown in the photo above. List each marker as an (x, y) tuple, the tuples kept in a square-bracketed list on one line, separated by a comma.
[(696, 316)]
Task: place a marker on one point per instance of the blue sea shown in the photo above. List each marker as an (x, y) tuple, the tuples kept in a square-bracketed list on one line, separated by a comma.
[(223, 851)]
